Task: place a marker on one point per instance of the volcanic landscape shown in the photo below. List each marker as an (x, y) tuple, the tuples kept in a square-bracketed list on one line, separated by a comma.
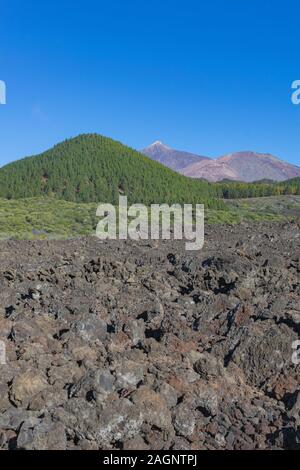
[(143, 345)]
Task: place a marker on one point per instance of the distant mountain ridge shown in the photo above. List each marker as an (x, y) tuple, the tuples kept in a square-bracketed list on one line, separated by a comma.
[(244, 166), (175, 159)]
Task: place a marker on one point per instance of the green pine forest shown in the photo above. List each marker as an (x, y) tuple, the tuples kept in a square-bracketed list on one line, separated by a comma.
[(238, 190), (92, 168), (55, 194)]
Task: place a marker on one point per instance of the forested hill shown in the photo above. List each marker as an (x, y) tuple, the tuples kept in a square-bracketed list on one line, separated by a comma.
[(92, 168)]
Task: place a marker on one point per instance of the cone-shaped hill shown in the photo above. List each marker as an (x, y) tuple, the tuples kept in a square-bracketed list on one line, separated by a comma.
[(92, 168)]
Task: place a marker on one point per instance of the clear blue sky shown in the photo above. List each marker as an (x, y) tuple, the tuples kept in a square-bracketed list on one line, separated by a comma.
[(206, 76)]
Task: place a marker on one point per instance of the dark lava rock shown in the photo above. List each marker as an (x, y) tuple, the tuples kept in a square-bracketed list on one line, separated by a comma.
[(138, 345)]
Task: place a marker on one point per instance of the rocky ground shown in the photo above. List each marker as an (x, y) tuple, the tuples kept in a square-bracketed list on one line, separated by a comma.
[(132, 345)]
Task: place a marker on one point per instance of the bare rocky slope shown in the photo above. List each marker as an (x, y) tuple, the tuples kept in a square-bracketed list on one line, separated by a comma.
[(239, 166), (243, 166), (142, 345), (175, 159)]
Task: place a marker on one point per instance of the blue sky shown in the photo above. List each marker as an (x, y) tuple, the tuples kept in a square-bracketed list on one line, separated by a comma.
[(209, 77)]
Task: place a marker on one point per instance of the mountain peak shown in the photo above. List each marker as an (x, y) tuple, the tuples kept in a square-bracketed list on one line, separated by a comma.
[(158, 143), (174, 159)]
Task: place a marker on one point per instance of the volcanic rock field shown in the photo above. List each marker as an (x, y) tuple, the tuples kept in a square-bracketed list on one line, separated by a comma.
[(143, 345)]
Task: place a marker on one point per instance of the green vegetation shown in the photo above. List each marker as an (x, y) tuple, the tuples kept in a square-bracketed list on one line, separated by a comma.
[(38, 218), (46, 218), (55, 194), (274, 206), (92, 168), (256, 209), (237, 216), (233, 190)]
